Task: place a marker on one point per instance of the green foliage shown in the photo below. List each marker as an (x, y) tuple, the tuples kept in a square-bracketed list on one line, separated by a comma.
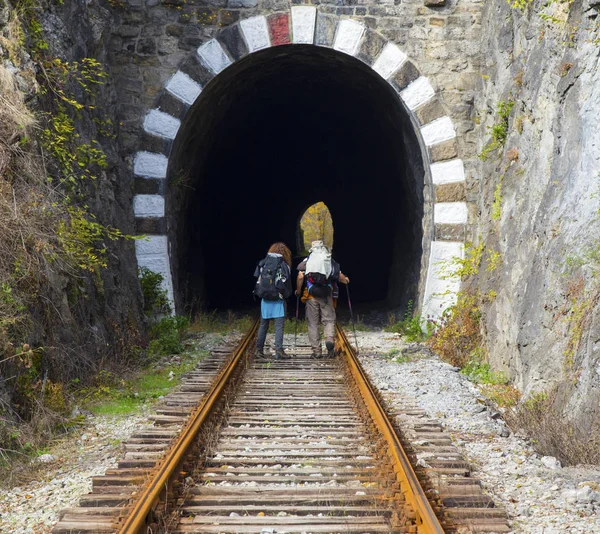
[(76, 161), (395, 355), (578, 318), (60, 77), (410, 327), (494, 260), (466, 266), (563, 8), (117, 396), (83, 239), (166, 336), (521, 5), (480, 372), (26, 13), (499, 130), (459, 332), (156, 300), (497, 204)]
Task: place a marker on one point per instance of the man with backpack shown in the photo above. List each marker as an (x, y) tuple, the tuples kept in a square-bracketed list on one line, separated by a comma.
[(273, 287), (321, 274)]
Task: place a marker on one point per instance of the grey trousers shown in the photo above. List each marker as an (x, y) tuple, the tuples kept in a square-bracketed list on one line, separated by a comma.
[(320, 311), (262, 333)]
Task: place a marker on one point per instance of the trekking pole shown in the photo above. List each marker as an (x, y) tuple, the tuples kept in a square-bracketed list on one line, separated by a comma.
[(352, 318), (296, 326)]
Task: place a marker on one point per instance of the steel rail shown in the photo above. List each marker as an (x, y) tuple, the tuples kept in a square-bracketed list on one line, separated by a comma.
[(149, 497), (426, 520)]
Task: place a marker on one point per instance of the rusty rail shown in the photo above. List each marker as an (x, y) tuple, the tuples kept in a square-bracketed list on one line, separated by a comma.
[(149, 497), (426, 520)]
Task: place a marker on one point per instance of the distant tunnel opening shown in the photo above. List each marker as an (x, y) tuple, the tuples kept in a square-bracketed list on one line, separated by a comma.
[(271, 135)]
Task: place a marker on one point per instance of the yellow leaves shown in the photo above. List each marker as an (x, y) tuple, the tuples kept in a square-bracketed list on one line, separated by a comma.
[(316, 224), (80, 238)]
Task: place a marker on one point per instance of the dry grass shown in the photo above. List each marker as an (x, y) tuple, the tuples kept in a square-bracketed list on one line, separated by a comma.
[(30, 209), (552, 433)]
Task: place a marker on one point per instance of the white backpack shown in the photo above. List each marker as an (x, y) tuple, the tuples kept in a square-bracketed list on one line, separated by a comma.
[(319, 260)]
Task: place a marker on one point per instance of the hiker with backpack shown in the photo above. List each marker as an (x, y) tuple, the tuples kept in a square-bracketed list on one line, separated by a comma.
[(273, 287), (317, 284)]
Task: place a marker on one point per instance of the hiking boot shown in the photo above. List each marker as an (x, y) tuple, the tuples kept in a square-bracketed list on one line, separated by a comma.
[(282, 355), (330, 349), (260, 354)]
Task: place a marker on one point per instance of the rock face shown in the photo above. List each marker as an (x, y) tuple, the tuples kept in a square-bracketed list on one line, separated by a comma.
[(539, 200), (114, 311), (84, 317)]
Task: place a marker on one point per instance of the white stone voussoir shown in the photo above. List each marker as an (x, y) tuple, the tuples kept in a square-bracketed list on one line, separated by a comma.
[(348, 36), (150, 165), (151, 245), (441, 286), (213, 56), (448, 172), (161, 124), (303, 24), (417, 93), (389, 61), (256, 33), (152, 253), (149, 206), (184, 88), (438, 131), (450, 213)]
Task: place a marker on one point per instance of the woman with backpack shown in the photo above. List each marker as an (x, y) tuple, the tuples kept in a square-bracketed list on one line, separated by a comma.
[(273, 287)]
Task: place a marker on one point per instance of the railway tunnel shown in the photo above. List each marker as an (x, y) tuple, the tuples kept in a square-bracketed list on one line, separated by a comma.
[(269, 136)]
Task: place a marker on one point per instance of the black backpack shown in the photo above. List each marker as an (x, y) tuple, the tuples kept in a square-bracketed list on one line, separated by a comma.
[(320, 285), (273, 279)]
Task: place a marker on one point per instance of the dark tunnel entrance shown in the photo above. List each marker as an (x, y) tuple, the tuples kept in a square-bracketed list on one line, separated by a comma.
[(274, 133)]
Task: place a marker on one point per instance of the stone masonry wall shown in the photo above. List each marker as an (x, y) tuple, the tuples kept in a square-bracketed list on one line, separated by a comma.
[(153, 41), (153, 38)]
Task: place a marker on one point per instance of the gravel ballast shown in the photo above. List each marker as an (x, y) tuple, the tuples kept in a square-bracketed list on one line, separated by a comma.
[(540, 496)]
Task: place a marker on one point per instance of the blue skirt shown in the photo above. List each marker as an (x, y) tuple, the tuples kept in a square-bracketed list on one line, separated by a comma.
[(272, 309)]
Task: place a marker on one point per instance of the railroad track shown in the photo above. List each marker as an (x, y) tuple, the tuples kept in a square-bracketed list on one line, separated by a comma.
[(296, 446)]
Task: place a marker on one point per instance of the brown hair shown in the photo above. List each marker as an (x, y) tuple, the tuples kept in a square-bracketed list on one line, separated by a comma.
[(281, 248)]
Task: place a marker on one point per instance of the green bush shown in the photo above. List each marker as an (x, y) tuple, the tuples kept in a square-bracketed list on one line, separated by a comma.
[(499, 130), (166, 336), (480, 372), (409, 327), (156, 300)]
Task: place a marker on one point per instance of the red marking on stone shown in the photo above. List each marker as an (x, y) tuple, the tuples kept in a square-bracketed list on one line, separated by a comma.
[(279, 28)]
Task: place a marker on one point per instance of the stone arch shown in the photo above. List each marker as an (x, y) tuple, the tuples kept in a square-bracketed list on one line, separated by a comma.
[(305, 25)]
